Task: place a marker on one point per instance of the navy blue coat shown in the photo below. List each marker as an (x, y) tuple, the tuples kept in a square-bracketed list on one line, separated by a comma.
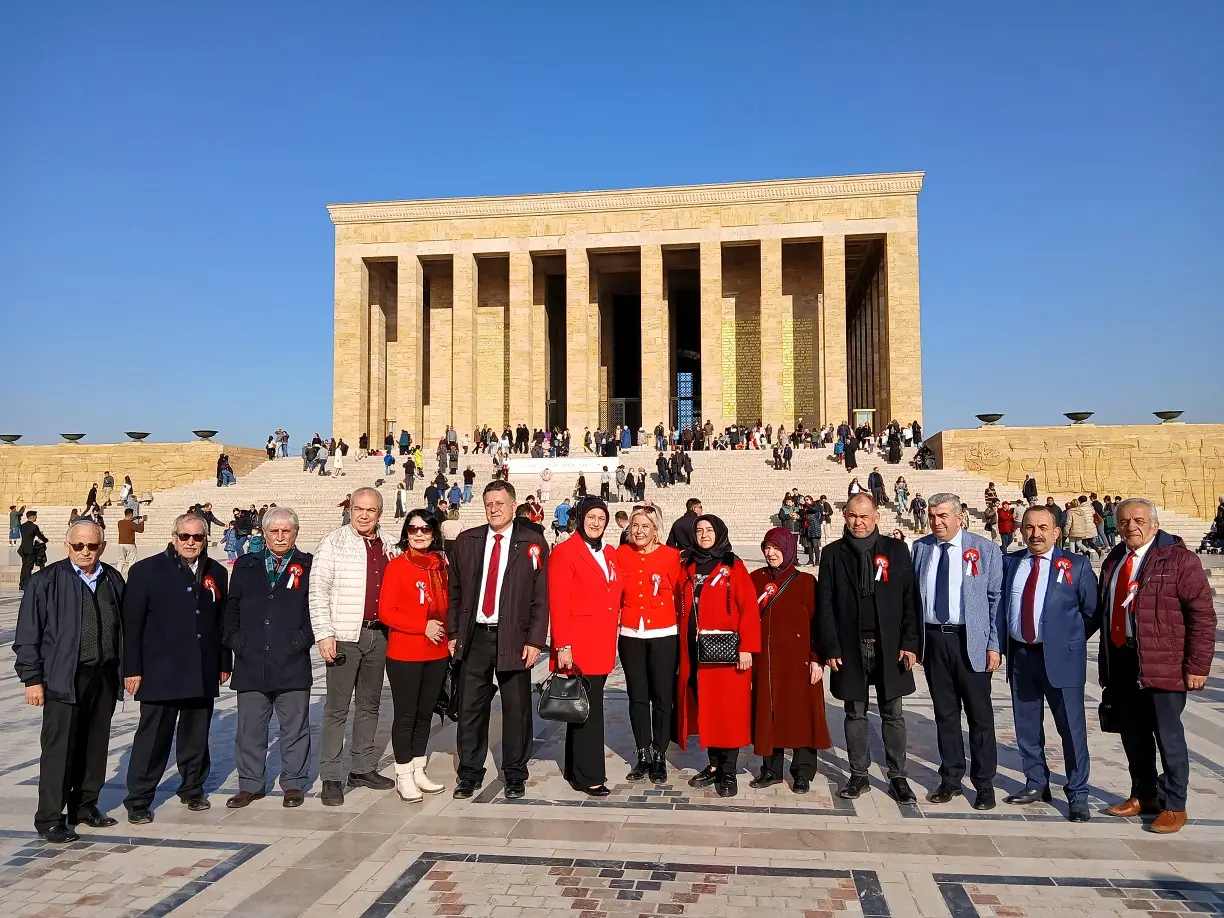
[(172, 628), (268, 627)]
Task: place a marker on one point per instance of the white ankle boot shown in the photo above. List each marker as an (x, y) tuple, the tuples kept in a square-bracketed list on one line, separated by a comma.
[(405, 784), (423, 780)]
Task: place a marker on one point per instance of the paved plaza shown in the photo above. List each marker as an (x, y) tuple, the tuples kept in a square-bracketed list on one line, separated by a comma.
[(644, 851)]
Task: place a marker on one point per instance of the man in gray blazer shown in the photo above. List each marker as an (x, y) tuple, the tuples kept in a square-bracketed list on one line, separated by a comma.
[(960, 580)]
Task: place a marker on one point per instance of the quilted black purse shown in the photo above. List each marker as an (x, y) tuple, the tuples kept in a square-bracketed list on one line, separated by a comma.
[(718, 646), (563, 697)]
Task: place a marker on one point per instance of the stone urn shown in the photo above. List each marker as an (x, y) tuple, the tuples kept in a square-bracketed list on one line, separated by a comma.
[(205, 434), (136, 435), (1078, 417), (1167, 416), (989, 420), (9, 439), (72, 438)]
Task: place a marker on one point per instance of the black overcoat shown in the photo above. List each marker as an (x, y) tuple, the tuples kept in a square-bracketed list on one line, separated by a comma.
[(172, 628), (897, 619), (268, 627)]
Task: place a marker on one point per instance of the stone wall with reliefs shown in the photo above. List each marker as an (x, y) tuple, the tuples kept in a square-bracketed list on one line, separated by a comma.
[(1178, 466)]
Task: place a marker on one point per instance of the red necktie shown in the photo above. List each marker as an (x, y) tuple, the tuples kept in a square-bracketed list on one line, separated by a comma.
[(1117, 620), (489, 606), (1028, 603)]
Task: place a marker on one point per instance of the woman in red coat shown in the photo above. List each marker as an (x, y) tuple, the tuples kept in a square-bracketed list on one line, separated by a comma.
[(584, 599), (715, 699), (789, 711), (413, 603)]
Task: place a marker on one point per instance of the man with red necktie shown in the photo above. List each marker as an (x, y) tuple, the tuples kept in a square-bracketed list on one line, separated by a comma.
[(1049, 611), (1159, 644)]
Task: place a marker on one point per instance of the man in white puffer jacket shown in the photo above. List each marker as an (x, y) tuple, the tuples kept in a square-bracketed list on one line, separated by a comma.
[(345, 580)]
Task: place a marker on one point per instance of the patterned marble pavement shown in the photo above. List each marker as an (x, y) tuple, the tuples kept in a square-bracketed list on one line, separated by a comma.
[(646, 850)]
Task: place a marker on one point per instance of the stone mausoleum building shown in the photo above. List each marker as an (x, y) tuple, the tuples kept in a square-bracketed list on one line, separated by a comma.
[(777, 300)]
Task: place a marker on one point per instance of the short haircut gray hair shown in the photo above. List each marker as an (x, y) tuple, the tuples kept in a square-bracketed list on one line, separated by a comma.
[(943, 497), (377, 493), (1138, 500), (183, 517), (85, 521), (277, 513)]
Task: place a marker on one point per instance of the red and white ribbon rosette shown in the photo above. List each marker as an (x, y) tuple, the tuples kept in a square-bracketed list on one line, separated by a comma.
[(420, 585), (1130, 594), (770, 590), (211, 586), (881, 565), (655, 579), (718, 575), (1063, 566), (295, 576), (971, 558), (534, 552)]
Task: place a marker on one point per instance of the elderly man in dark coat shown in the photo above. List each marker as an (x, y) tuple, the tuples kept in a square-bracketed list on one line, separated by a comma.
[(174, 664), (267, 626), (867, 631), (68, 641)]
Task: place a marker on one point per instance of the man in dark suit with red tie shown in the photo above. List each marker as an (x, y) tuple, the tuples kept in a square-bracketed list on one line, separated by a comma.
[(498, 626)]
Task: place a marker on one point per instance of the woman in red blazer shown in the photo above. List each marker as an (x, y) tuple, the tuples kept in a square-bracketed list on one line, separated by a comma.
[(413, 604), (584, 599), (715, 699)]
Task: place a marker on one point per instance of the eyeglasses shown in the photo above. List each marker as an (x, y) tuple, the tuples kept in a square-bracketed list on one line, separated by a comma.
[(190, 536), (418, 530), (83, 546)]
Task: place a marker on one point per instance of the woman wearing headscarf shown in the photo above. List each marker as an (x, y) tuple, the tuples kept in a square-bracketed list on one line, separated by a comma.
[(584, 599), (789, 697), (649, 638), (715, 699)]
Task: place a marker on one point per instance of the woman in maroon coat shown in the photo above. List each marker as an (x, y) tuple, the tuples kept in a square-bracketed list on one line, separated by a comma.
[(789, 698), (714, 700)]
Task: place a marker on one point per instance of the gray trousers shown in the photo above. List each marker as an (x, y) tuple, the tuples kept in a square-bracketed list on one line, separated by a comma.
[(363, 671), (251, 740)]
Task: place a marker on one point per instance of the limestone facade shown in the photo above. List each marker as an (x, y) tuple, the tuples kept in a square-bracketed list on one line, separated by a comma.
[(779, 300)]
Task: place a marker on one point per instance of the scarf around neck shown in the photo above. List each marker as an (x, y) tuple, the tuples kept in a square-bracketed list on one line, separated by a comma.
[(864, 548)]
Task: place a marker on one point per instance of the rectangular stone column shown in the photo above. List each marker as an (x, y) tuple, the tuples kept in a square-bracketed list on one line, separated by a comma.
[(774, 359), (463, 346), (350, 401), (712, 336), (656, 340), (833, 332), (903, 323), (578, 368), (537, 408), (378, 365), (522, 355), (408, 356)]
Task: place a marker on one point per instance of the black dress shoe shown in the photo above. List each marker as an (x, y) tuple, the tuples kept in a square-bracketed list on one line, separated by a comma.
[(899, 790), (855, 787), (801, 785), (293, 798), (372, 780), (600, 790), (1078, 812), (196, 803), (95, 818), (642, 768), (465, 787), (332, 794), (1029, 795), (705, 777), (516, 788), (985, 799), (765, 779), (658, 767), (727, 786), (140, 816), (58, 834), (944, 793), (242, 798)]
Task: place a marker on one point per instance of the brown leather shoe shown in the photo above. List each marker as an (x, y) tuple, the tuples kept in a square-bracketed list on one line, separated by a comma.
[(1134, 807), (293, 798), (241, 799), (1168, 822)]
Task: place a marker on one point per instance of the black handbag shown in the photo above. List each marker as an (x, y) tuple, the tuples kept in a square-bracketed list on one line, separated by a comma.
[(447, 706), (563, 697), (1108, 714), (718, 646)]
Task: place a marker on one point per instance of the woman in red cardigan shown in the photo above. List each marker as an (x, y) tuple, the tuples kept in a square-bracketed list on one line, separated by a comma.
[(715, 699), (584, 600), (649, 636), (413, 605)]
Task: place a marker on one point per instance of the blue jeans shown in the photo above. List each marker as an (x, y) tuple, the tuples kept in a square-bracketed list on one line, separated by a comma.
[(227, 478), (467, 493)]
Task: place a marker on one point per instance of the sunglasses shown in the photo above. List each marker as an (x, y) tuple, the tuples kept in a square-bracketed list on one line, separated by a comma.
[(82, 546), (419, 530), (190, 536)]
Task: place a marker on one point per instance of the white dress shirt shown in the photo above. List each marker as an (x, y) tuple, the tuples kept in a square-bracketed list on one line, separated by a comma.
[(956, 574), (599, 556), (1015, 611), (1136, 566), (501, 574)]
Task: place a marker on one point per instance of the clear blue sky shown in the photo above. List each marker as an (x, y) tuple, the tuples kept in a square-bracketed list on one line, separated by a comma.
[(166, 259)]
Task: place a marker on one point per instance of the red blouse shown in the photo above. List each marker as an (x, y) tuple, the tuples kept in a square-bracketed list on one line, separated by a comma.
[(410, 598), (651, 583)]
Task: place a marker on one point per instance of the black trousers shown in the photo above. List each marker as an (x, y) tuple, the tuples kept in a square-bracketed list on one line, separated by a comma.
[(27, 569), (955, 685), (584, 742), (75, 739), (803, 762), (892, 722), (724, 760), (1152, 722), (415, 686), (155, 733), (475, 703), (650, 681)]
